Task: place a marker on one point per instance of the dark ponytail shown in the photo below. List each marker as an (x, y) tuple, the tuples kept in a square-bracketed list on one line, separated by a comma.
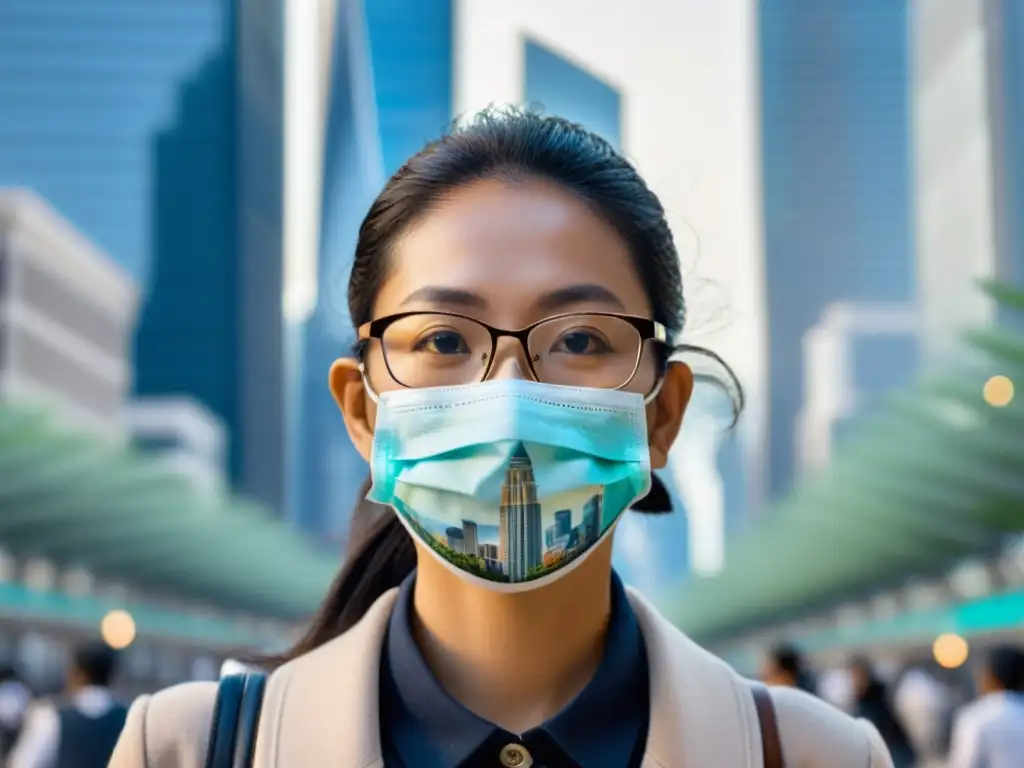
[(508, 144), (380, 555)]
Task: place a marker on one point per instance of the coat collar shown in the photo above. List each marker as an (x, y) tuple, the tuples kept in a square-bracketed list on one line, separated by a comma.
[(699, 707)]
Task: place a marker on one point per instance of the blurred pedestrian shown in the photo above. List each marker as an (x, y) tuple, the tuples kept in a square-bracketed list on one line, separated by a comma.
[(836, 687), (924, 706), (785, 665), (989, 733), (15, 698), (871, 702), (81, 730)]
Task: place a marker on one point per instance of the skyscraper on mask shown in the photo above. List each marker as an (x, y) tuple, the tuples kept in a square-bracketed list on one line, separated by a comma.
[(471, 538), (520, 533)]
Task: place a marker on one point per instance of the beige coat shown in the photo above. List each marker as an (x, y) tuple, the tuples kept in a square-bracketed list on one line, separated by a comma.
[(321, 711)]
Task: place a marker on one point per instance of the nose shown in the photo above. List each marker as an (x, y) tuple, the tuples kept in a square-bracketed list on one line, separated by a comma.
[(509, 361)]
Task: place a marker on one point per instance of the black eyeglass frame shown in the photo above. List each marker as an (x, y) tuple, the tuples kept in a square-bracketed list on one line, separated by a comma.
[(648, 329)]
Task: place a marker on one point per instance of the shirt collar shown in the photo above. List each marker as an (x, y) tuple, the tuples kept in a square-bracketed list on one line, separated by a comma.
[(93, 700), (601, 726)]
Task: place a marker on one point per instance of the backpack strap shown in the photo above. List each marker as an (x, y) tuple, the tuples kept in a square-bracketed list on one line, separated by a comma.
[(236, 720), (771, 743)]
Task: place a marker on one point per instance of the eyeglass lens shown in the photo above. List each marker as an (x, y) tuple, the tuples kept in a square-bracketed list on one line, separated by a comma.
[(434, 350)]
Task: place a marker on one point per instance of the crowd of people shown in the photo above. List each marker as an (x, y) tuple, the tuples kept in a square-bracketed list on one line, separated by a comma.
[(76, 729), (926, 721)]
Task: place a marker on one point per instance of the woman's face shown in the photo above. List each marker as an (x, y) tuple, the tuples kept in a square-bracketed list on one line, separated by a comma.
[(509, 255)]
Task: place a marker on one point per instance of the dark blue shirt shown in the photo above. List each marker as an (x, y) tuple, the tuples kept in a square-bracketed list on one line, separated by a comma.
[(605, 726)]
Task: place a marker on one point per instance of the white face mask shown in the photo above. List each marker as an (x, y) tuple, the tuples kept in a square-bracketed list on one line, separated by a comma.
[(510, 483)]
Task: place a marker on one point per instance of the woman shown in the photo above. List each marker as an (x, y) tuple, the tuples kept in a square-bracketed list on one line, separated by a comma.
[(516, 292)]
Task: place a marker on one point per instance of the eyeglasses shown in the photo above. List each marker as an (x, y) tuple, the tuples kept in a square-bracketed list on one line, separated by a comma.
[(439, 349)]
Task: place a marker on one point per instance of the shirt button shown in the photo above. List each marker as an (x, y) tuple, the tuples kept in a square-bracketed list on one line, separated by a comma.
[(515, 756)]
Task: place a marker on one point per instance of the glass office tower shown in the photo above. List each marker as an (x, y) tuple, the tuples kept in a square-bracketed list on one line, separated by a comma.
[(838, 224), (156, 128)]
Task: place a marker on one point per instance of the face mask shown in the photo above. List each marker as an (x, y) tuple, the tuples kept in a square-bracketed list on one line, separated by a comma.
[(510, 482)]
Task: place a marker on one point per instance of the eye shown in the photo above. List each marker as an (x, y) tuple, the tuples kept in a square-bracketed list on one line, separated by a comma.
[(442, 342), (581, 341)]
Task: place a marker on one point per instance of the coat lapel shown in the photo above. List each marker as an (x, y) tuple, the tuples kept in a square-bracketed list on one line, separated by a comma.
[(322, 709), (701, 714)]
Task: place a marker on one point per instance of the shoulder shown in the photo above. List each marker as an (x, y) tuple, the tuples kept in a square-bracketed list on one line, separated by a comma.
[(969, 715), (37, 741), (985, 712), (812, 731), (168, 728), (171, 728)]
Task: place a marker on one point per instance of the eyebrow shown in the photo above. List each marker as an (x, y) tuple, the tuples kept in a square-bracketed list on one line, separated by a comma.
[(439, 295), (584, 293), (554, 301)]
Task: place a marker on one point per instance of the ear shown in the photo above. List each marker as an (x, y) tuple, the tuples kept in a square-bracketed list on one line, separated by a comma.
[(357, 409), (665, 414)]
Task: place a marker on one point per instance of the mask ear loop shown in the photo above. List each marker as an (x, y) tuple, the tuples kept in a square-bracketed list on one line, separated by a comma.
[(366, 384), (657, 501), (653, 395)]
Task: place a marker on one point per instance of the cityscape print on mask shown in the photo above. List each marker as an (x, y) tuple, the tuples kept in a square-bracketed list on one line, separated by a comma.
[(530, 537)]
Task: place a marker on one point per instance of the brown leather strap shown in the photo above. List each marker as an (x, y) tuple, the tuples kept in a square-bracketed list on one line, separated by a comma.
[(771, 745)]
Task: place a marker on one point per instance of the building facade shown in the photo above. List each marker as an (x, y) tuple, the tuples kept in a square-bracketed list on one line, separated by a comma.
[(1005, 34), (186, 438), (156, 131), (836, 186), (66, 316), (212, 327), (388, 91), (327, 471), (956, 176)]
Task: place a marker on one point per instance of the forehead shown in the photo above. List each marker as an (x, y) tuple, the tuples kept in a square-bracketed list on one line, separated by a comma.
[(510, 244)]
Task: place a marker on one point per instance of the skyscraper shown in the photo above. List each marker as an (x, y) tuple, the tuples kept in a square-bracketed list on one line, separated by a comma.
[(388, 92), (562, 88), (836, 182), (520, 518), (411, 45), (470, 537), (212, 327), (155, 128), (591, 523), (455, 538), (1006, 94), (326, 469), (563, 523)]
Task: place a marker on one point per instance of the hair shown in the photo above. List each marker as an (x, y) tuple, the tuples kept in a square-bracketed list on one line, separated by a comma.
[(788, 658), (512, 145), (862, 666), (1005, 665), (97, 663), (364, 516)]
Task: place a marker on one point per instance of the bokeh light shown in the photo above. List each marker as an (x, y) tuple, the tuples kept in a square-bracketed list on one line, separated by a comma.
[(950, 651), (118, 629), (998, 391)]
